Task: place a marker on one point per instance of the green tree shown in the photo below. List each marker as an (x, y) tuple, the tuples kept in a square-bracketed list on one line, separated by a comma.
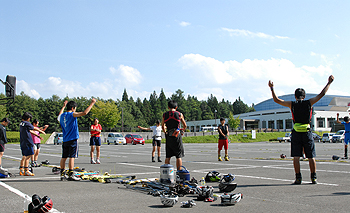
[(107, 113), (223, 109), (213, 103), (234, 122), (240, 107), (2, 112), (147, 111), (125, 96), (194, 109), (163, 101), (156, 107), (181, 102), (23, 103), (207, 114)]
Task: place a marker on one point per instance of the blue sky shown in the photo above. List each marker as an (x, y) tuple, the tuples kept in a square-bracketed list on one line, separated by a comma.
[(226, 48)]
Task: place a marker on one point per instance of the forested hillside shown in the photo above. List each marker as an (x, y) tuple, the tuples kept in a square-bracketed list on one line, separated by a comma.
[(134, 112)]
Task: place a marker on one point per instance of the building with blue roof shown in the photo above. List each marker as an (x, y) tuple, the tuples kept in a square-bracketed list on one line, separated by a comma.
[(270, 115)]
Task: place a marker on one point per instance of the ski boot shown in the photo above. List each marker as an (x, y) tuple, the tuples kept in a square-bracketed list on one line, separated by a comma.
[(298, 178), (313, 178)]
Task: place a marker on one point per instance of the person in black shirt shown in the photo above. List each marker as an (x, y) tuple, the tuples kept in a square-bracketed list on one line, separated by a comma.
[(301, 134), (173, 138), (3, 137), (223, 141)]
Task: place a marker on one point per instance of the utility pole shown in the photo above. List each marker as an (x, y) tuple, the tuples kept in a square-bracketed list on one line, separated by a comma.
[(122, 120)]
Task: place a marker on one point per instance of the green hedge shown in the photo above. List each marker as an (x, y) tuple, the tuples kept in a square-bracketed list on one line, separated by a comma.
[(13, 137), (239, 138)]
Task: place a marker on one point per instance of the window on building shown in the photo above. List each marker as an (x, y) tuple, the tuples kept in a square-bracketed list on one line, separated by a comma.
[(271, 124), (263, 124), (331, 122), (320, 122), (289, 124), (279, 124)]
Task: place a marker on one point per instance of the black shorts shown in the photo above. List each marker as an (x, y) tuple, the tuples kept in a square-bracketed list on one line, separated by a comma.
[(37, 145), (2, 147), (70, 149), (174, 146), (302, 140), (95, 141), (156, 142)]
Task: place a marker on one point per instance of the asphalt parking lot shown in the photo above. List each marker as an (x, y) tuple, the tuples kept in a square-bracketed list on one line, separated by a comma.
[(263, 178)]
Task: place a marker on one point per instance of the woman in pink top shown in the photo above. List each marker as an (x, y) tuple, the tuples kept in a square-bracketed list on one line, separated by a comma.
[(37, 142)]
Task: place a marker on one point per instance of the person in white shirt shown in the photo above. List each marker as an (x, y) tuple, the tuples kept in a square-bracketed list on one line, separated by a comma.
[(157, 139)]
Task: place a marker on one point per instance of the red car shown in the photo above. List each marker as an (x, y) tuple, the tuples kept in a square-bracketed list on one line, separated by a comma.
[(134, 139)]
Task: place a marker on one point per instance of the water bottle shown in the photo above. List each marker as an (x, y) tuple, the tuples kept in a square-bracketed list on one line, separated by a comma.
[(203, 181)]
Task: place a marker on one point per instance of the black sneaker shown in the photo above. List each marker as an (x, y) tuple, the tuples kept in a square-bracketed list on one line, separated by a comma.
[(298, 179), (159, 160), (153, 159)]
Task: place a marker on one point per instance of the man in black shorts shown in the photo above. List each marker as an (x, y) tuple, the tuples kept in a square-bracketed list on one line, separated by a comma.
[(171, 127), (301, 134), (3, 138)]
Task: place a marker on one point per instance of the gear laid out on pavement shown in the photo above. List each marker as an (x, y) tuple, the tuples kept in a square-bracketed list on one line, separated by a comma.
[(231, 199), (213, 176), (188, 204), (40, 205)]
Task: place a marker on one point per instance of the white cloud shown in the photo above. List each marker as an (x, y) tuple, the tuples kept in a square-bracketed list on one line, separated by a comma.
[(129, 74), (247, 33), (249, 78), (284, 51), (209, 67), (24, 86), (110, 87), (184, 24)]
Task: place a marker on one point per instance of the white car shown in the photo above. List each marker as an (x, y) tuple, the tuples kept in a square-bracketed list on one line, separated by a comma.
[(327, 137), (339, 137), (116, 138)]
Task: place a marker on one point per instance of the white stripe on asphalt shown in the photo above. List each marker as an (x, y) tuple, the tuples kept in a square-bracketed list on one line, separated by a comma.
[(140, 165), (22, 195)]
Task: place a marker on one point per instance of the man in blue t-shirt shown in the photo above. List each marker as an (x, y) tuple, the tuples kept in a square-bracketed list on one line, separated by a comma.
[(346, 124), (301, 134), (69, 123)]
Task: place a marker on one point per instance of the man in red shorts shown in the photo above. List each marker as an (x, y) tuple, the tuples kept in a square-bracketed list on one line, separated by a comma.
[(223, 141)]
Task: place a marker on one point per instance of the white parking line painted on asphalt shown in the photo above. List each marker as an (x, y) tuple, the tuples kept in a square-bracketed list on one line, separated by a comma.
[(7, 156), (21, 194), (140, 165), (30, 178), (285, 180)]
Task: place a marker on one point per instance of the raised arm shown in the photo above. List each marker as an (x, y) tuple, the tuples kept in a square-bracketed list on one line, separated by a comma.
[(143, 128), (39, 130), (86, 111), (184, 125), (338, 121), (278, 100), (34, 133), (163, 125), (64, 106), (323, 92)]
